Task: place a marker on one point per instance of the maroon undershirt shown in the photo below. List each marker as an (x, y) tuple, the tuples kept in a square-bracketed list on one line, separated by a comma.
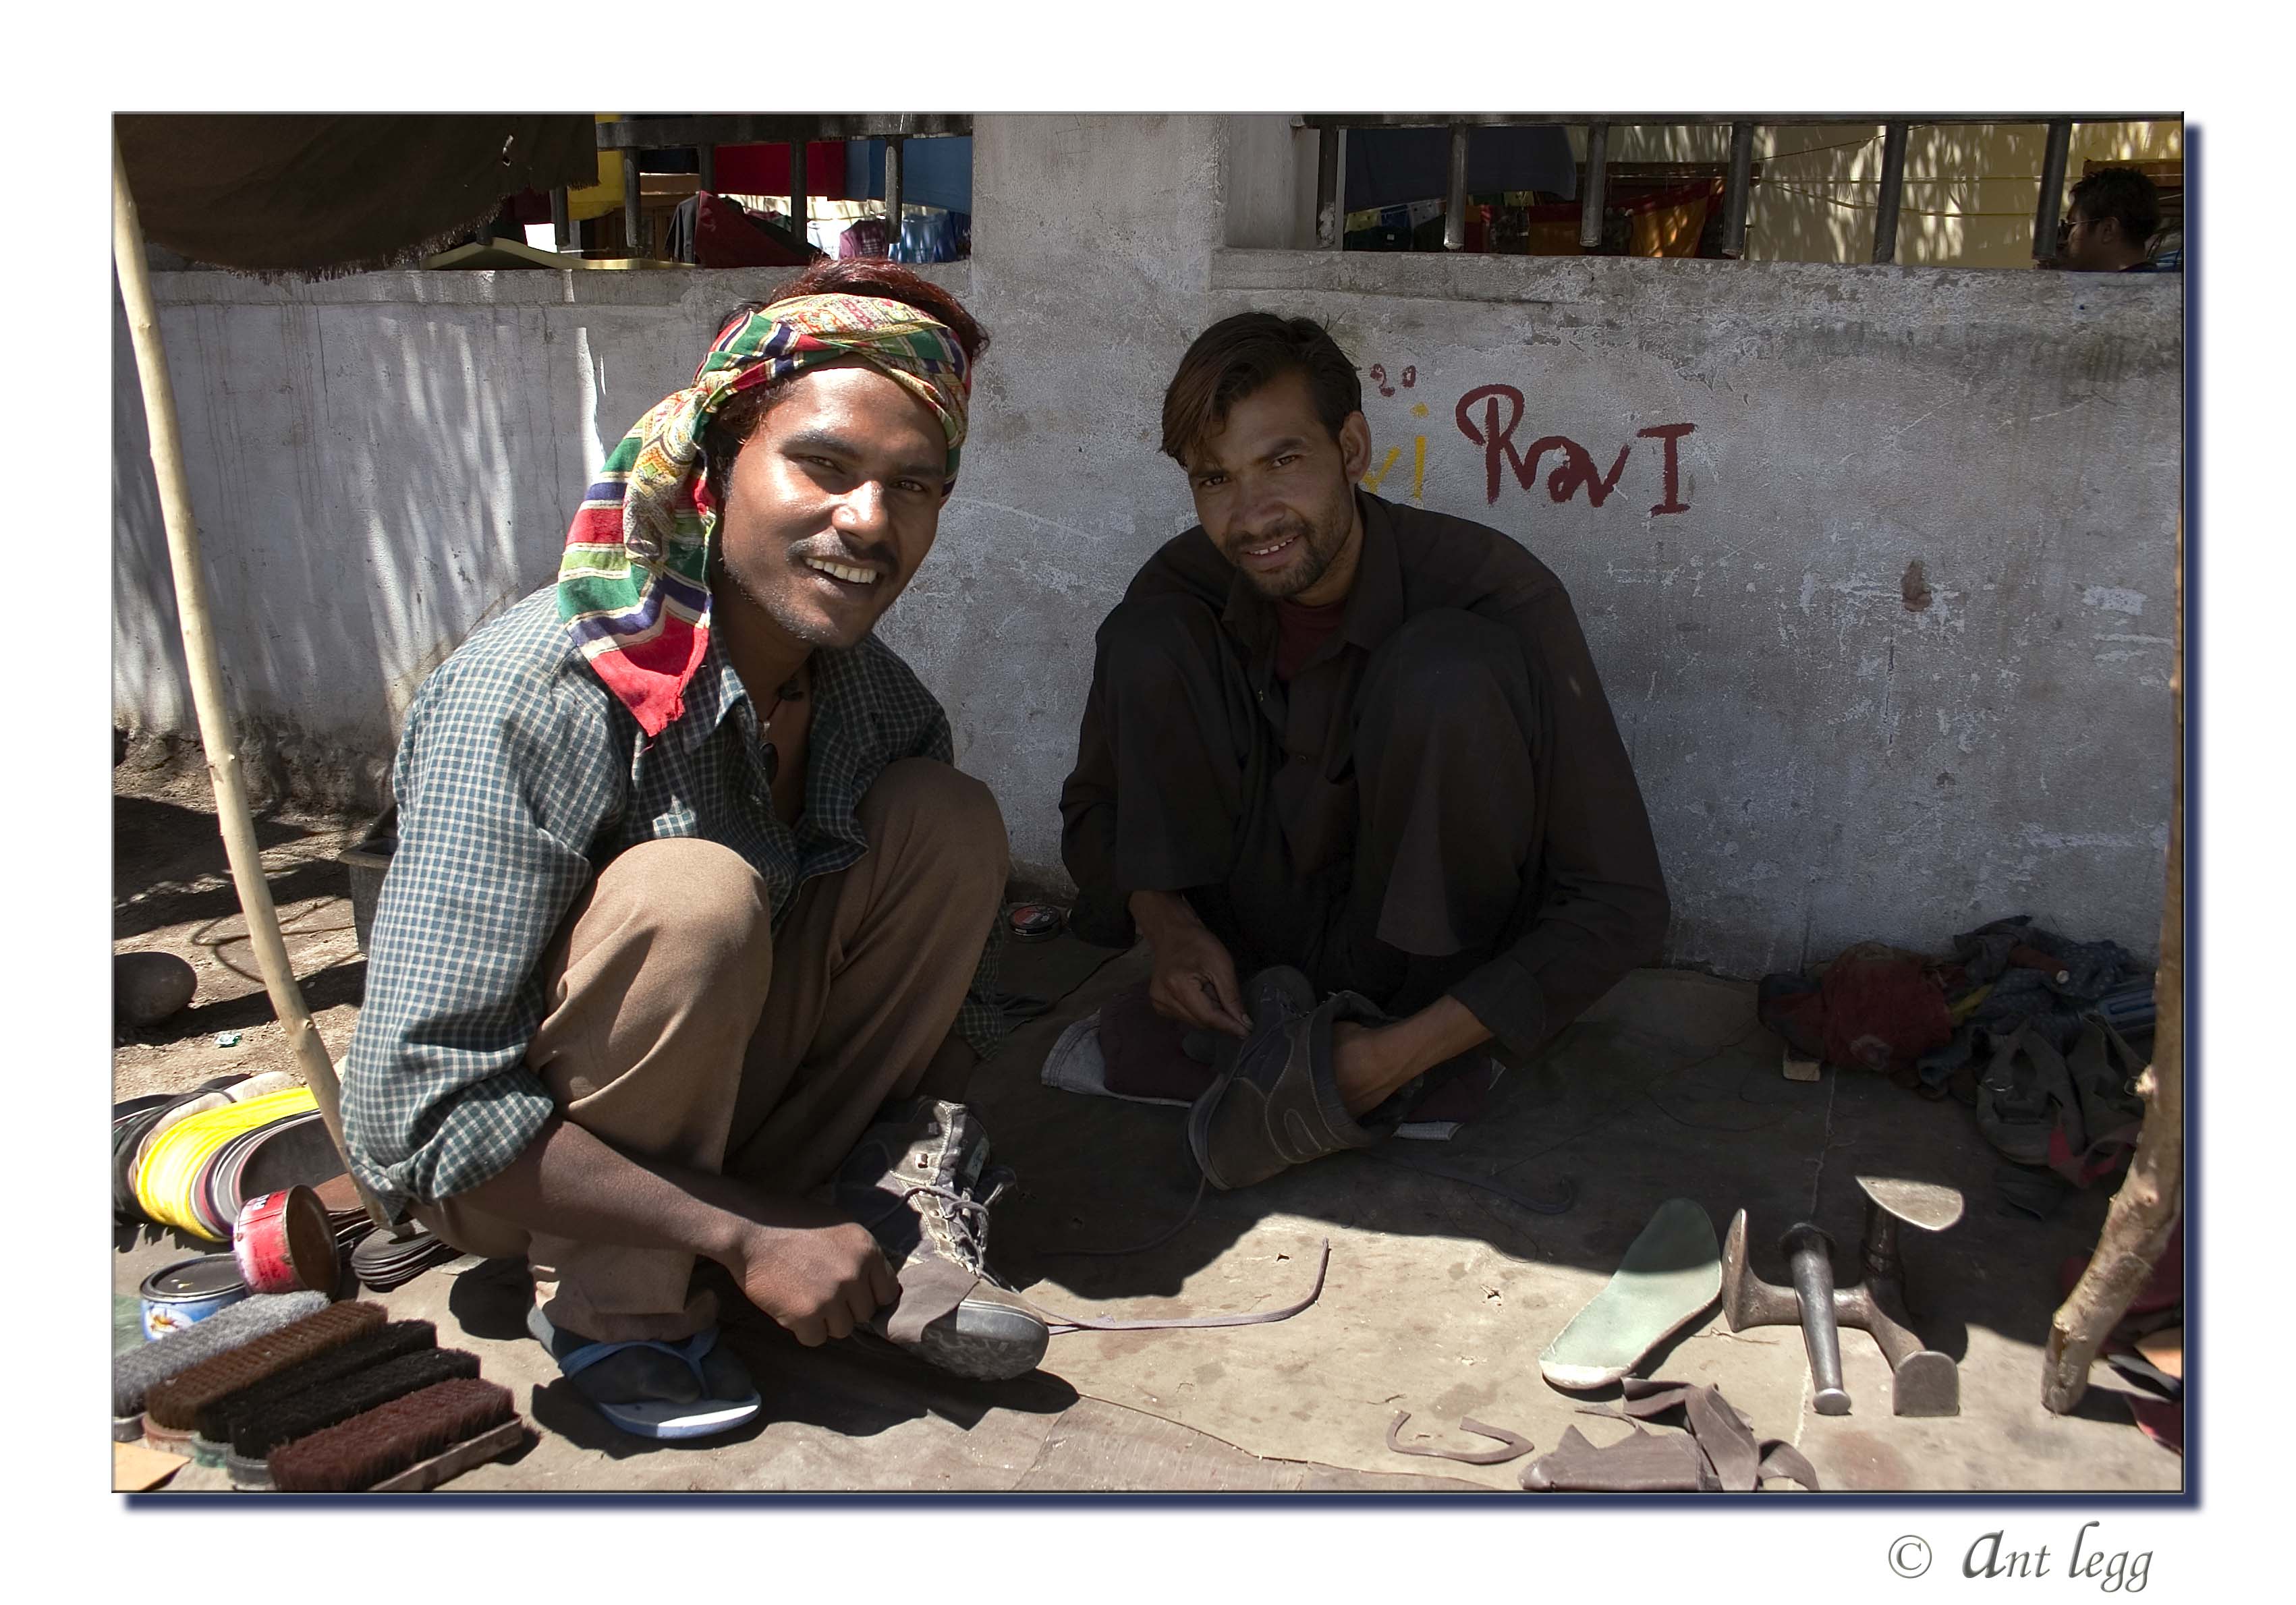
[(1300, 632)]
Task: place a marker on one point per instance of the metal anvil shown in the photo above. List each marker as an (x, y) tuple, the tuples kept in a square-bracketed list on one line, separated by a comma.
[(1926, 1382)]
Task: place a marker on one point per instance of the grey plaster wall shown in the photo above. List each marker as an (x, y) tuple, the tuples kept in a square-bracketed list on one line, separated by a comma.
[(1896, 663)]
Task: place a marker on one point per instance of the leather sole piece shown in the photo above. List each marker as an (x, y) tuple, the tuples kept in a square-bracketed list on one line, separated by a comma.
[(1670, 1276)]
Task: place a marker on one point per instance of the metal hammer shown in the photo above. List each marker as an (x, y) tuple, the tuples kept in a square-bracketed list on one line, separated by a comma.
[(1925, 1382)]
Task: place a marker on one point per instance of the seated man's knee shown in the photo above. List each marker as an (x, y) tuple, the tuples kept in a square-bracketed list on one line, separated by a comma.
[(695, 903), (1444, 660), (936, 808)]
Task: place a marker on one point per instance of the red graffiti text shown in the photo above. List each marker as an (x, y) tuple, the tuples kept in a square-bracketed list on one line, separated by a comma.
[(1577, 468)]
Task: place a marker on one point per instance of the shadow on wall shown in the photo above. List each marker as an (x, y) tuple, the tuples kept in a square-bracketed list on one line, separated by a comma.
[(371, 482)]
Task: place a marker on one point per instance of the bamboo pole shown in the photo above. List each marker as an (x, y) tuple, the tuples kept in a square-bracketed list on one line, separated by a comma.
[(2151, 1198), (195, 616)]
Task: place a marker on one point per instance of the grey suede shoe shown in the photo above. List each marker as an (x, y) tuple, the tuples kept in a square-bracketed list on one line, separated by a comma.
[(919, 1180), (1279, 1105)]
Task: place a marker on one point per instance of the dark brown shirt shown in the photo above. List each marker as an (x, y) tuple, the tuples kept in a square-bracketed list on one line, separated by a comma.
[(1600, 897)]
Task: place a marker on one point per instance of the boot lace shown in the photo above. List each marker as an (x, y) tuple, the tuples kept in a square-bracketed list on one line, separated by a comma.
[(963, 1214)]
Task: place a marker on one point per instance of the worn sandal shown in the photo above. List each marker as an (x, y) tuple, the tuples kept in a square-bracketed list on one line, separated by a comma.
[(664, 1417)]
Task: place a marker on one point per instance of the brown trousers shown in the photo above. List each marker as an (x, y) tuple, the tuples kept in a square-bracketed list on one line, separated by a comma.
[(683, 1027)]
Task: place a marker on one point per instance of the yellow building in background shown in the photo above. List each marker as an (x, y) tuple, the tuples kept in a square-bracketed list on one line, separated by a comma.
[(1970, 189)]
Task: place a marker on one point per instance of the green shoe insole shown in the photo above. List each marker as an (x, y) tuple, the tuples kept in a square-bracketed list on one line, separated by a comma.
[(1671, 1273)]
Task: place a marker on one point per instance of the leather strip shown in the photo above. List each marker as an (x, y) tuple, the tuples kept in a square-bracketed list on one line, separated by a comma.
[(1782, 1459), (1071, 1324), (1516, 1445), (1719, 1435)]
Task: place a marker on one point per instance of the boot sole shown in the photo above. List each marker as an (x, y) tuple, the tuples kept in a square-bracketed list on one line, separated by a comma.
[(981, 1341)]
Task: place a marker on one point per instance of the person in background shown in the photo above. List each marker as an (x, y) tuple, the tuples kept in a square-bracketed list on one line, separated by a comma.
[(2110, 224)]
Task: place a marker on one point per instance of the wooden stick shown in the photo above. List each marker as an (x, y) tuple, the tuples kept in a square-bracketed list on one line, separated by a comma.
[(2151, 1198), (206, 670)]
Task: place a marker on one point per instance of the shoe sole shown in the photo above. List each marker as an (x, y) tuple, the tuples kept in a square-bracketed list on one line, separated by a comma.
[(979, 1341)]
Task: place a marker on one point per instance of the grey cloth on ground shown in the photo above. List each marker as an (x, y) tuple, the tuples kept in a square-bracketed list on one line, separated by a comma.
[(2025, 999), (134, 1372)]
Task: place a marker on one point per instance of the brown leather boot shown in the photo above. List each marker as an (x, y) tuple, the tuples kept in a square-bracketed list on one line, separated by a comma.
[(919, 1181), (1279, 1106)]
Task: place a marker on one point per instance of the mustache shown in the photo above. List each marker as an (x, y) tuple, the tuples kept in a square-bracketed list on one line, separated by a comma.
[(835, 549), (1289, 529)]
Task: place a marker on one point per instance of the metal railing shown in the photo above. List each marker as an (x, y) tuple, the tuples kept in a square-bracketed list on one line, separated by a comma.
[(704, 134), (1331, 219)]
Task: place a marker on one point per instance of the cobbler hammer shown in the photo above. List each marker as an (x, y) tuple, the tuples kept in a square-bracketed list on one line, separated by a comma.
[(1925, 1381)]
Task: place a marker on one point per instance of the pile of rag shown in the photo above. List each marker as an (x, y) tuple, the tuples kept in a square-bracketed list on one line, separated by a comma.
[(2032, 1028)]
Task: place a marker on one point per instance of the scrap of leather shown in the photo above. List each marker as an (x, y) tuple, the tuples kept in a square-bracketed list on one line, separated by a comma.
[(1643, 1464), (1516, 1445), (1060, 1324), (1720, 1437)]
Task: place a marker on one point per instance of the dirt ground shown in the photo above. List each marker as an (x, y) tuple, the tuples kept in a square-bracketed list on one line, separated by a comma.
[(1440, 1292), (171, 892)]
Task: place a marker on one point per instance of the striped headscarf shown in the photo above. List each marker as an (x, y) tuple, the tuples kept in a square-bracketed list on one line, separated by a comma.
[(634, 583)]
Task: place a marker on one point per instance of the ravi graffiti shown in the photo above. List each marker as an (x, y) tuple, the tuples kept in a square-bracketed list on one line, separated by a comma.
[(1575, 468)]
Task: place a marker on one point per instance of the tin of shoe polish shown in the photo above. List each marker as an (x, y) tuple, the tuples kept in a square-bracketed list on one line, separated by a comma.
[(190, 1291), (1034, 922)]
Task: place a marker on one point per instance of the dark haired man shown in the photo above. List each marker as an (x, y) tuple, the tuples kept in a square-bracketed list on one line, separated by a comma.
[(688, 896), (1355, 746), (2114, 214)]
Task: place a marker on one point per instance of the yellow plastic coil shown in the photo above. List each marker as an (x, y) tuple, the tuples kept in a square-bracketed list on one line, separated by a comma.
[(163, 1186)]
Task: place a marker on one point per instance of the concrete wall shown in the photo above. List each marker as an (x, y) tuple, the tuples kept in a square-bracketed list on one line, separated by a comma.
[(1893, 660)]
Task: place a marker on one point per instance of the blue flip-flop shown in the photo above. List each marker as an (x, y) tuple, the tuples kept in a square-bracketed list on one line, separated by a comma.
[(662, 1418)]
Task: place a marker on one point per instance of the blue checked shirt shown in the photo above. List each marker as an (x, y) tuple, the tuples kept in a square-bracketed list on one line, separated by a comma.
[(519, 777)]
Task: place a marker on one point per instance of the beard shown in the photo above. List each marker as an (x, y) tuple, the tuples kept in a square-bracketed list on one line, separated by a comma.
[(785, 607), (1317, 545)]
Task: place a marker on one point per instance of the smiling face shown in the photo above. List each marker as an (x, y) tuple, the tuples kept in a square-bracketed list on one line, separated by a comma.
[(1276, 493), (830, 506)]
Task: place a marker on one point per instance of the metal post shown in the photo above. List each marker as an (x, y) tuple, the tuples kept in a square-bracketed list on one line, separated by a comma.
[(1331, 223), (561, 220), (1590, 200), (797, 190), (1454, 197), (709, 164), (2053, 190), (893, 193), (632, 224), (1893, 191), (1742, 178)]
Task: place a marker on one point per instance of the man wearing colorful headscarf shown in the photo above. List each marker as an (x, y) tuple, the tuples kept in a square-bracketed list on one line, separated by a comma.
[(685, 949)]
